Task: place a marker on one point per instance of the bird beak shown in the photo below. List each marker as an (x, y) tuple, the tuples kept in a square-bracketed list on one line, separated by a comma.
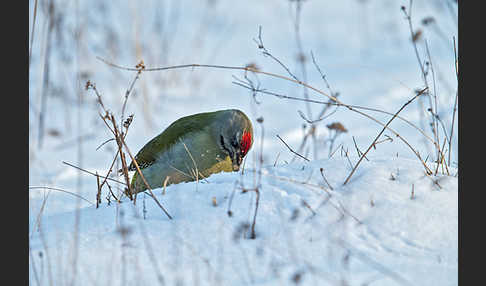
[(236, 160)]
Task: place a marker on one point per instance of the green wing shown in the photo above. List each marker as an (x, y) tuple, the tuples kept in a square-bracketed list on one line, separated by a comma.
[(197, 122)]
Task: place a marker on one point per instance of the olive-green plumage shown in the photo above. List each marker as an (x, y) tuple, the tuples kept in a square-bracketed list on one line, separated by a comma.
[(194, 147)]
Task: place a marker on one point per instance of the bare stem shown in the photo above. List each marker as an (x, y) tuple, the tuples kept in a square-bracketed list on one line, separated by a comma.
[(291, 149), (253, 234), (381, 132), (322, 173), (33, 30), (61, 190), (86, 171), (455, 104), (140, 67), (145, 181)]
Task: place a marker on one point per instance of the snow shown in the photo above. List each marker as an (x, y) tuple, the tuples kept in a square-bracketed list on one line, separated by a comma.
[(371, 218), (391, 224)]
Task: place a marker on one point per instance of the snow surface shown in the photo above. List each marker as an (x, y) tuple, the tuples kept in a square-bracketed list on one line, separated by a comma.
[(390, 238), (371, 231)]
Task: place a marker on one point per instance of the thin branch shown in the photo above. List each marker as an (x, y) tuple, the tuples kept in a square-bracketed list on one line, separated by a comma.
[(292, 150), (337, 148), (93, 86), (322, 173), (321, 117), (108, 173), (196, 171), (34, 269), (357, 149), (64, 191), (119, 140), (267, 53), (433, 110), (246, 68), (335, 94), (408, 16), (39, 215), (145, 181), (98, 193), (339, 104), (276, 159), (301, 57), (354, 108), (320, 72), (381, 132), (455, 103), (140, 66), (86, 171), (46, 76), (33, 30), (101, 145), (346, 154), (424, 74), (252, 233)]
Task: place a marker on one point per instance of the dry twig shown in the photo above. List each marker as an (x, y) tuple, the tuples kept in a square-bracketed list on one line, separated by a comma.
[(291, 149), (381, 132)]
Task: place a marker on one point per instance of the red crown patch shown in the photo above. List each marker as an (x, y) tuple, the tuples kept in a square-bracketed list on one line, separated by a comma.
[(245, 142)]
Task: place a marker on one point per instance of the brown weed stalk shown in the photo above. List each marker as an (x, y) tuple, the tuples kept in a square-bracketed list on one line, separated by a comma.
[(119, 136), (381, 132)]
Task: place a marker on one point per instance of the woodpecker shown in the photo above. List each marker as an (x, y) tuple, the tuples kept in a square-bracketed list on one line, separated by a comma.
[(192, 148)]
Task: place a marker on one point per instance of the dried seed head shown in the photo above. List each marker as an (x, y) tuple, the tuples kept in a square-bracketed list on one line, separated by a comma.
[(337, 126), (427, 20), (252, 66), (140, 65), (128, 121), (416, 36), (301, 58)]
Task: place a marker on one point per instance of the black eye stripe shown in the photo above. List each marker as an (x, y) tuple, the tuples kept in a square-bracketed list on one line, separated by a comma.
[(222, 144)]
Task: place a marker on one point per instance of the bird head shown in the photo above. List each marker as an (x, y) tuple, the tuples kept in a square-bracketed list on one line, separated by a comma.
[(236, 138)]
